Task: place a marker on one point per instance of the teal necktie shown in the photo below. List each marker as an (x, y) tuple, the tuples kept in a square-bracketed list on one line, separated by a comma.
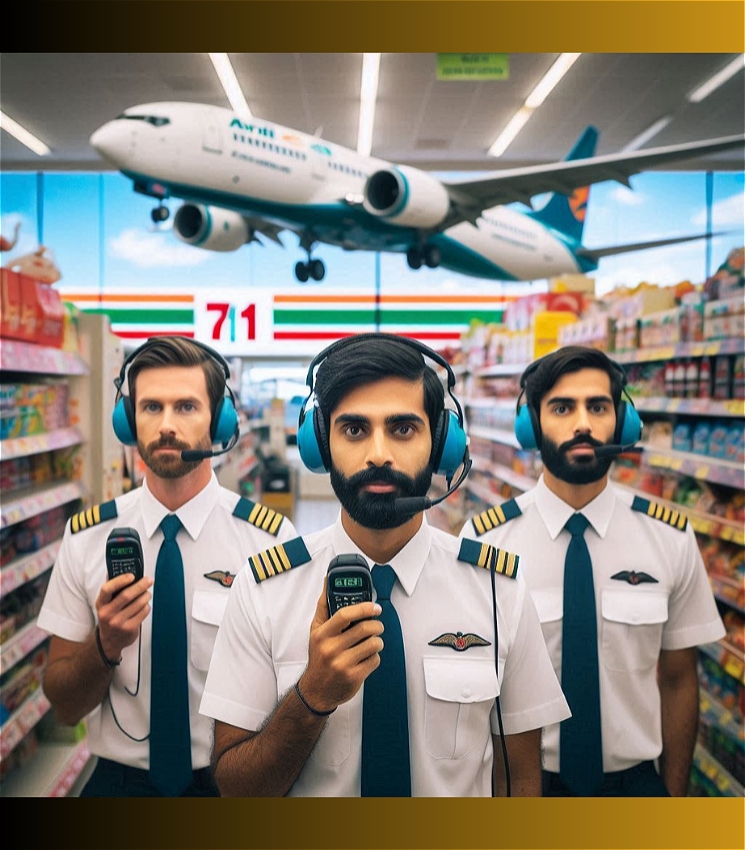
[(386, 769), (580, 742), (170, 736)]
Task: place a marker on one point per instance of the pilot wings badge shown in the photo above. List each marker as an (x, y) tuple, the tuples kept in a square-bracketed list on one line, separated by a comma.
[(459, 642)]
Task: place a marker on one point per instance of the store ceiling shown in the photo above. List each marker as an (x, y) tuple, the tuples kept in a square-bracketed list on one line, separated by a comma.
[(63, 97)]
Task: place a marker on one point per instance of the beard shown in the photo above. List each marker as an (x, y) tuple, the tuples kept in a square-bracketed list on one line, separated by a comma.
[(170, 466), (377, 510), (579, 470)]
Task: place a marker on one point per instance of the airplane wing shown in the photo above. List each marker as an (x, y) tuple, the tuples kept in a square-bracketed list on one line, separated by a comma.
[(470, 197), (270, 231), (597, 253)]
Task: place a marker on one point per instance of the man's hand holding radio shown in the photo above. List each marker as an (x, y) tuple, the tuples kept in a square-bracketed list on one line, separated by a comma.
[(122, 606)]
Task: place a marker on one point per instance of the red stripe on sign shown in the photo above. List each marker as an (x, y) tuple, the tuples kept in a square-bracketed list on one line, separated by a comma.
[(279, 335), (148, 334)]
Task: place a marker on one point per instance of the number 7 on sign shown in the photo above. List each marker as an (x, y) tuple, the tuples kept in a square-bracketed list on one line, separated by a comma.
[(227, 311)]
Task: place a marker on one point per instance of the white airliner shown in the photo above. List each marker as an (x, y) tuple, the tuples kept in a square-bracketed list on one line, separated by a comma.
[(241, 179)]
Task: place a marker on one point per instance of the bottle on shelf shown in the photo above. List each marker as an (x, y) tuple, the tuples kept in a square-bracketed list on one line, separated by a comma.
[(722, 378), (704, 378), (738, 377), (691, 380), (679, 381), (670, 379)]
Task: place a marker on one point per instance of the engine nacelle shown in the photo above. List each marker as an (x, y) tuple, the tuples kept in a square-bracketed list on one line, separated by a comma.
[(406, 197), (212, 228)]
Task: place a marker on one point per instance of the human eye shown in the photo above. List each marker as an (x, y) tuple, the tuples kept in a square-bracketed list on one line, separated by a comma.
[(354, 431), (404, 430), (150, 406), (560, 409), (187, 406)]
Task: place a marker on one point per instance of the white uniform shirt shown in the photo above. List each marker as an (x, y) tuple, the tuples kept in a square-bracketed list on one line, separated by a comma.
[(211, 541), (262, 650), (635, 621)]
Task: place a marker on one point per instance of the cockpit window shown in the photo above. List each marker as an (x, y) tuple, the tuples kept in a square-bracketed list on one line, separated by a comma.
[(155, 120)]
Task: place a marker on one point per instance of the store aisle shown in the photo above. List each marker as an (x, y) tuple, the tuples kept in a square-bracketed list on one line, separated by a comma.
[(313, 514)]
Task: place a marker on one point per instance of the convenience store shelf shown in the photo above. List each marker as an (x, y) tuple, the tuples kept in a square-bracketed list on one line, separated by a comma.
[(27, 567), (715, 713), (728, 657), (62, 438), (31, 501), (18, 356), (54, 771), (728, 590), (500, 370), (20, 644), (22, 721), (690, 406), (504, 473), (725, 783), (702, 467), (683, 349), (497, 435)]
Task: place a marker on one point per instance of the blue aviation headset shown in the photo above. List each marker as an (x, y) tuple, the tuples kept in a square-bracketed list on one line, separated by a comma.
[(224, 426), (449, 440), (527, 421)]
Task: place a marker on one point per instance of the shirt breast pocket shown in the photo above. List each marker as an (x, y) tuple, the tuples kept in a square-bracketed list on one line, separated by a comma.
[(333, 746), (632, 628), (550, 608), (207, 610), (460, 697)]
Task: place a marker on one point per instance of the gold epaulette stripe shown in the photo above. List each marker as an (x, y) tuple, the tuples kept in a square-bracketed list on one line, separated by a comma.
[(93, 516), (507, 563), (278, 559), (265, 518), (668, 515)]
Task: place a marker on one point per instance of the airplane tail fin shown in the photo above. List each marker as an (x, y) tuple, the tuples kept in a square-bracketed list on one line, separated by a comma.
[(566, 213)]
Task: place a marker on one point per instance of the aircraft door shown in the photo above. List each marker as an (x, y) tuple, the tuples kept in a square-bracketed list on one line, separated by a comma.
[(211, 133)]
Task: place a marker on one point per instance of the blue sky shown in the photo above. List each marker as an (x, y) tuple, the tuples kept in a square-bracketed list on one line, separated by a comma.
[(99, 229)]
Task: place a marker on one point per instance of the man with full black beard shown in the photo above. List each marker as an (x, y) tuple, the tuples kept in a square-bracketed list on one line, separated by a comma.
[(288, 685), (645, 602)]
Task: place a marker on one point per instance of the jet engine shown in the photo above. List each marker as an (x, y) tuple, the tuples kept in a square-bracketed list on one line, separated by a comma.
[(213, 228), (406, 197)]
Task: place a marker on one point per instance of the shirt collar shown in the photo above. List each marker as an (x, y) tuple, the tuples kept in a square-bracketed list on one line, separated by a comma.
[(555, 511), (193, 514), (409, 562)]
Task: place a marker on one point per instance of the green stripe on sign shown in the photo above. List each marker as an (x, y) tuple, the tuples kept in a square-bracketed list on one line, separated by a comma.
[(387, 317), (148, 317)]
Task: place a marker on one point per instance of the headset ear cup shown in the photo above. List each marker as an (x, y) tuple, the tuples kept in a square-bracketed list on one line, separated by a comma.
[(525, 428), (225, 424), (628, 424), (319, 427), (307, 443), (438, 440), (454, 445), (123, 422)]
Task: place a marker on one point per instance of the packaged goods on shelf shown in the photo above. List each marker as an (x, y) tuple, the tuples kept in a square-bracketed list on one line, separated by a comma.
[(724, 318)]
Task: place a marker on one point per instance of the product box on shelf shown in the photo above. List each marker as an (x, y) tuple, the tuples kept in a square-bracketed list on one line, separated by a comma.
[(10, 304), (519, 315), (44, 305)]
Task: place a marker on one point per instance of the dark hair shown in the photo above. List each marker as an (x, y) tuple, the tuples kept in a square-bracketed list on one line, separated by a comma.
[(543, 374), (365, 360), (178, 351)]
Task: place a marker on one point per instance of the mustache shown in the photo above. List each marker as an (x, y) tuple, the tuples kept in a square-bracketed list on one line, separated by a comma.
[(379, 474), (167, 443), (580, 440)]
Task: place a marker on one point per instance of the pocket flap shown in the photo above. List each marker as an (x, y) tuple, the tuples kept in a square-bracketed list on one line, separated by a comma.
[(460, 679), (634, 607), (208, 607), (548, 604)]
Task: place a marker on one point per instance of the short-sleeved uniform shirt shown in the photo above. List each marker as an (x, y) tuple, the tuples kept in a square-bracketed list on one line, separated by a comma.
[(651, 593), (214, 546), (262, 650)]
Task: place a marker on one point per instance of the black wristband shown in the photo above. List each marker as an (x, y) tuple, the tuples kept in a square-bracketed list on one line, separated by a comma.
[(311, 710), (109, 664)]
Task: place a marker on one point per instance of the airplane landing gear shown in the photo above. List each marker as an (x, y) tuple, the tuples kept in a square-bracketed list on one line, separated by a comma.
[(314, 269), (159, 213), (428, 255)]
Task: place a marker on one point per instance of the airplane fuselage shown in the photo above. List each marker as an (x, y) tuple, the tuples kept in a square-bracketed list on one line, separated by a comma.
[(264, 171)]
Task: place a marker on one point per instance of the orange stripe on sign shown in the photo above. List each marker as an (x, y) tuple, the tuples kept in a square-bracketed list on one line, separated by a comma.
[(74, 296)]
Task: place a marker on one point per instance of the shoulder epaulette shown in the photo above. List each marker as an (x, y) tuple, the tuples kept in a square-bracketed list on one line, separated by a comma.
[(656, 511), (259, 515), (481, 555), (279, 559), (494, 516), (93, 516)]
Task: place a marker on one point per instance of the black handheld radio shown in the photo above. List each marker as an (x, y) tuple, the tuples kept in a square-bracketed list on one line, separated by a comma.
[(124, 553), (348, 582)]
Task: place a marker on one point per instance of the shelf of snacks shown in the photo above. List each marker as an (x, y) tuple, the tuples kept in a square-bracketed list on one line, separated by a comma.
[(718, 715), (22, 721), (498, 435), (61, 438), (27, 567), (21, 644), (728, 657), (34, 500), (726, 785), (680, 350), (691, 406), (716, 470), (729, 590), (19, 356), (57, 767)]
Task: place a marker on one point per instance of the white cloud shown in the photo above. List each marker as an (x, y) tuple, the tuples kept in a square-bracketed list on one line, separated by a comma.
[(148, 249), (730, 211), (627, 197)]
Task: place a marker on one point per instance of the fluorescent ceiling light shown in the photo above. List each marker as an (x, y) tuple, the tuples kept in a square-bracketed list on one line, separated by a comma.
[(550, 79), (368, 96), (230, 83), (516, 123), (729, 70), (534, 100), (647, 134), (23, 136)]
